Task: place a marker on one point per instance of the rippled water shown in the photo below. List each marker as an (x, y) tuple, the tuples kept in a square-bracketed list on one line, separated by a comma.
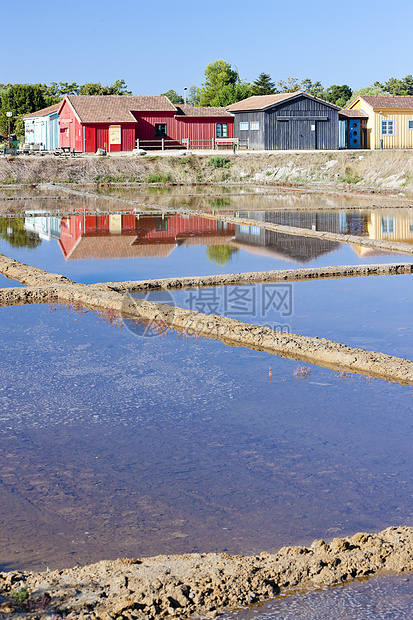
[(117, 445), (379, 598)]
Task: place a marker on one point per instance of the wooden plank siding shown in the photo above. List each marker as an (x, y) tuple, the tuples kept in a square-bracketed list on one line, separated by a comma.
[(300, 123), (378, 112)]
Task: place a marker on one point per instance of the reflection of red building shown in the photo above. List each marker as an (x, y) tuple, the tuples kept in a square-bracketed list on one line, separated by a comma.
[(130, 236)]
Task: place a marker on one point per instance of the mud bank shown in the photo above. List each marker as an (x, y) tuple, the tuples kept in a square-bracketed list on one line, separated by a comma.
[(320, 351), (387, 170), (255, 277), (201, 584)]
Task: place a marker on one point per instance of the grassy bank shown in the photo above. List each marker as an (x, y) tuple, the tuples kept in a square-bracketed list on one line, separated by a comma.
[(381, 169)]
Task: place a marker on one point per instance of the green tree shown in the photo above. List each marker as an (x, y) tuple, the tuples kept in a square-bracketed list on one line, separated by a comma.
[(263, 85), (403, 86), (375, 90), (231, 93), (290, 85), (338, 95), (217, 75), (95, 88), (20, 99), (316, 89), (221, 254), (174, 97), (194, 95)]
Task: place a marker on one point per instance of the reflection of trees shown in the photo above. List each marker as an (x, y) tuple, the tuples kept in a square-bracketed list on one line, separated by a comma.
[(219, 203), (221, 254), (13, 231)]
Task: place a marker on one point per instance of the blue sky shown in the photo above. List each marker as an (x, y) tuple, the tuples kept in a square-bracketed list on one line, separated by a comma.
[(160, 45)]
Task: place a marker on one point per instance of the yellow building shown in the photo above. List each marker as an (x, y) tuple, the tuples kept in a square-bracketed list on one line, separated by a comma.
[(390, 122)]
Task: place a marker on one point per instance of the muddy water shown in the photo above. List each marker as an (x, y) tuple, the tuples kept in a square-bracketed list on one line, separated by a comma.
[(377, 598), (117, 445)]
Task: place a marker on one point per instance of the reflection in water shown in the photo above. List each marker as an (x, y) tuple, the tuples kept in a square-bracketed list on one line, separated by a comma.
[(379, 598), (130, 236), (16, 233)]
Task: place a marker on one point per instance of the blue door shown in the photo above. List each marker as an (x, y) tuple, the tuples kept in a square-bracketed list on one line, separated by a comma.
[(355, 134)]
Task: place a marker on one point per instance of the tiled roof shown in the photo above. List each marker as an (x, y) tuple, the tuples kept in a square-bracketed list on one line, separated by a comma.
[(261, 102), (395, 102), (49, 110), (192, 111), (353, 113), (116, 108)]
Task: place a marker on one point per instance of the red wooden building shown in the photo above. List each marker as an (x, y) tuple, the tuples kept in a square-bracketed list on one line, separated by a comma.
[(116, 122)]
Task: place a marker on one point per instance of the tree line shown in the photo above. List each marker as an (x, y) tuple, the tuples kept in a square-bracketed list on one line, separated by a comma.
[(222, 87)]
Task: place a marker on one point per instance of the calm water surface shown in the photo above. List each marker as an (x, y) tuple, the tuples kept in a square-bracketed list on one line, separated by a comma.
[(126, 247), (117, 445)]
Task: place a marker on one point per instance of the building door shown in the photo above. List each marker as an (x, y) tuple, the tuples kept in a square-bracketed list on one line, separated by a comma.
[(283, 137), (355, 134)]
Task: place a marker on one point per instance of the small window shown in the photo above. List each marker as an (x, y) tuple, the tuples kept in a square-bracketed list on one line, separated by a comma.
[(410, 124), (161, 224), (387, 128), (254, 125), (222, 130), (160, 130), (244, 126), (388, 225)]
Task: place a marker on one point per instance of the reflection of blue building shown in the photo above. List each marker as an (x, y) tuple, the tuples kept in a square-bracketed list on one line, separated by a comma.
[(46, 227)]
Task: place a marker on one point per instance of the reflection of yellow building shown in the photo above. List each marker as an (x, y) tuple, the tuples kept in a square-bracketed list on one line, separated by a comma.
[(392, 225), (390, 122)]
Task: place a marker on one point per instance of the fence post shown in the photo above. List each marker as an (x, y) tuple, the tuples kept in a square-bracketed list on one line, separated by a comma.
[(163, 144), (137, 143), (213, 144)]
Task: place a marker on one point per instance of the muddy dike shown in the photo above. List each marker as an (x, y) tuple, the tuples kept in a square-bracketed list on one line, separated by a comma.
[(385, 170), (54, 288), (194, 585)]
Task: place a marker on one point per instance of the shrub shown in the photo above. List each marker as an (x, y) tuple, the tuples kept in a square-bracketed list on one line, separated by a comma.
[(219, 162)]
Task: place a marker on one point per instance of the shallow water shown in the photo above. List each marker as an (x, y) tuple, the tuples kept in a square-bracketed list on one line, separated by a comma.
[(120, 247), (119, 445), (369, 312), (379, 598)]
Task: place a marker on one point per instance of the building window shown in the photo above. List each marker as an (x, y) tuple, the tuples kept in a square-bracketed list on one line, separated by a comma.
[(387, 128), (243, 126), (161, 224), (388, 225), (160, 130), (222, 130), (410, 124), (254, 125)]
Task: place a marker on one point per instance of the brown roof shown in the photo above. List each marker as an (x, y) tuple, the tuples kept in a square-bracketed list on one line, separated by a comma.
[(261, 102), (191, 111), (49, 110), (395, 102), (116, 108), (116, 246), (353, 113)]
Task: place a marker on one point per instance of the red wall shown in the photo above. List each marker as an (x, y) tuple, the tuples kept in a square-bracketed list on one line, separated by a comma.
[(91, 136), (97, 137)]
